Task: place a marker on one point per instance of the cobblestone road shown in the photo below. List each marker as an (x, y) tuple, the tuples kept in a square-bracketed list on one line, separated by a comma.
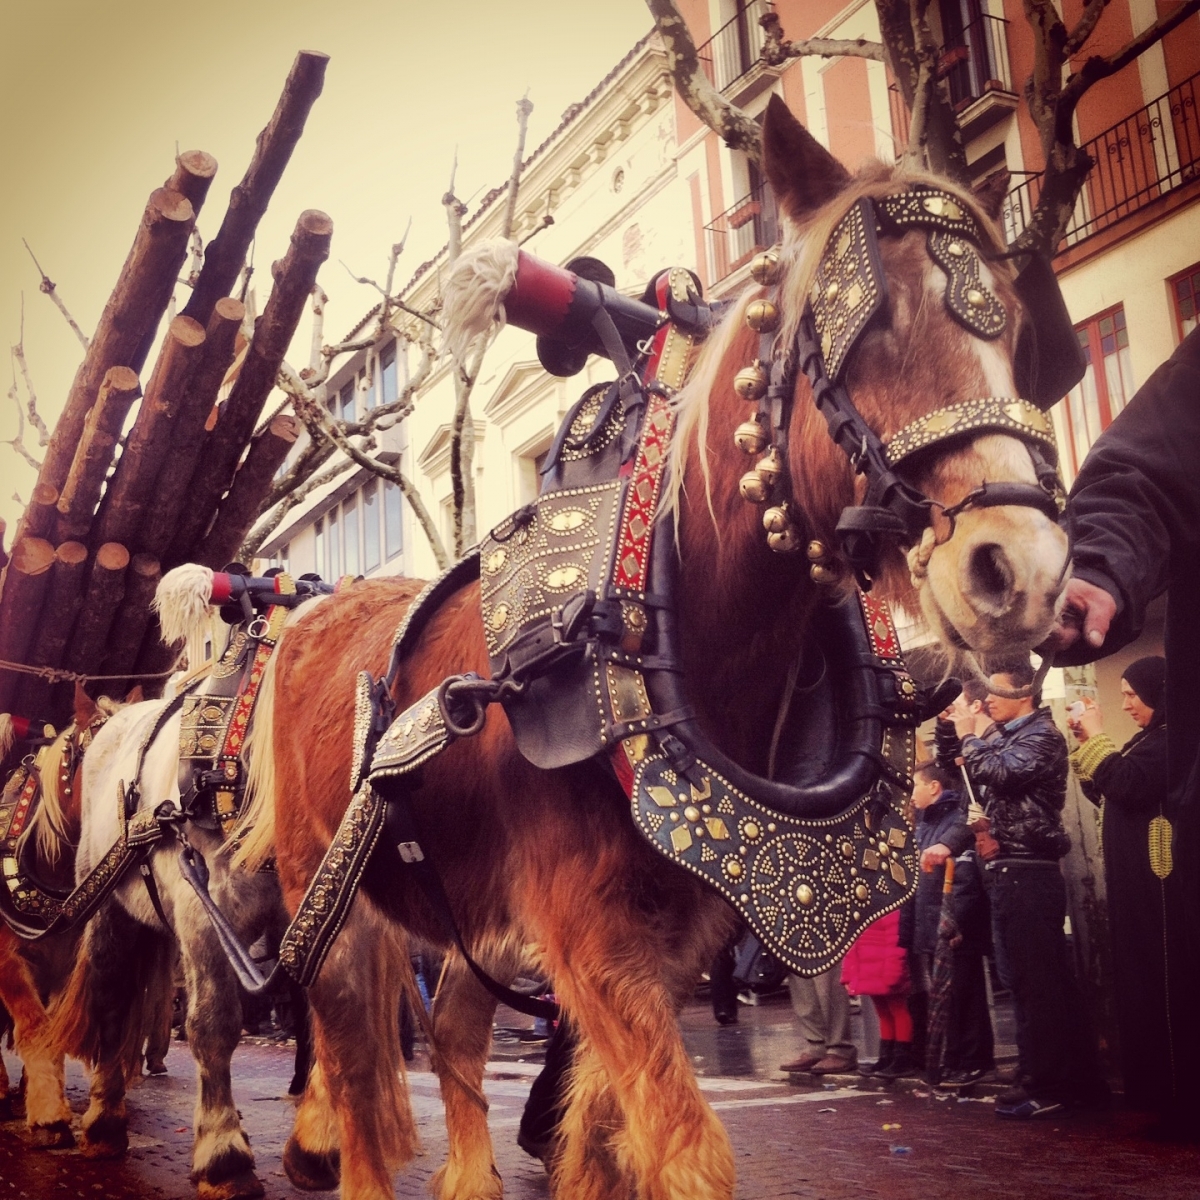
[(817, 1142)]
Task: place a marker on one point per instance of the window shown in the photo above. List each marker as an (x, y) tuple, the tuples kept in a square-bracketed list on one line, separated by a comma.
[(1105, 388), (350, 534), (393, 519), (319, 534), (333, 566), (348, 402), (368, 386), (387, 375), (1185, 292), (370, 511)]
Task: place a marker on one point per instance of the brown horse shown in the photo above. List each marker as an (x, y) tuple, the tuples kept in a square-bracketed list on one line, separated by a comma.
[(548, 863), (31, 973)]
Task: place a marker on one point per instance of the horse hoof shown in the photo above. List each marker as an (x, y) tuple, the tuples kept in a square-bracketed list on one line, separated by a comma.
[(55, 1136), (106, 1137), (310, 1171), (242, 1186), (156, 1068)]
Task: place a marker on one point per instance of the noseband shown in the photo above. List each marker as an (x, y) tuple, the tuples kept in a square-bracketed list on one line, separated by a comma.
[(848, 290)]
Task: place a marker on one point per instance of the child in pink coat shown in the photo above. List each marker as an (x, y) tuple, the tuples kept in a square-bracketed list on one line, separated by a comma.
[(876, 965)]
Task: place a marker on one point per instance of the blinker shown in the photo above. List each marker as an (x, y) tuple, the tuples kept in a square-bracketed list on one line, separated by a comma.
[(1049, 361)]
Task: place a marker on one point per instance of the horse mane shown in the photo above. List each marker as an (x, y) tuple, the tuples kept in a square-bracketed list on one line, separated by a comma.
[(800, 254)]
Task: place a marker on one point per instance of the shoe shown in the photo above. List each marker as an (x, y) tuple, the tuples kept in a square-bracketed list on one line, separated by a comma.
[(1014, 1095), (1009, 1075), (962, 1078), (904, 1062), (726, 1018), (836, 1064), (804, 1063), (1029, 1109), (887, 1049)]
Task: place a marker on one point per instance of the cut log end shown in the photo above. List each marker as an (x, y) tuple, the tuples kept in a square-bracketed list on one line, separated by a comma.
[(169, 206), (313, 221), (120, 379), (144, 565), (186, 332), (198, 163), (71, 554), (112, 556), (32, 556), (230, 309)]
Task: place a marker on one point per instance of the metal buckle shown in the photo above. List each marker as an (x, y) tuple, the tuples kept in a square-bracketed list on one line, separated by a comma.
[(258, 628)]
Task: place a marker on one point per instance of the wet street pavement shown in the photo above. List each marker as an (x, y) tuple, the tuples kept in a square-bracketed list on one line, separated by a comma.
[(842, 1138)]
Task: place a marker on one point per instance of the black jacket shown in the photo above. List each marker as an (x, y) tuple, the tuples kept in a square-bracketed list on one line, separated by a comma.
[(1023, 770), (945, 823)]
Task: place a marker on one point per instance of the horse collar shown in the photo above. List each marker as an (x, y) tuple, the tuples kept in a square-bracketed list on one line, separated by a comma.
[(849, 288)]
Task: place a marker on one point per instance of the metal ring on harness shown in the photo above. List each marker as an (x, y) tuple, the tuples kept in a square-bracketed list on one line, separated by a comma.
[(448, 694), (258, 629)]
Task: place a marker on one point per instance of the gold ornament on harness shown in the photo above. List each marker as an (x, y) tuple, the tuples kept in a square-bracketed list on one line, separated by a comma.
[(751, 382), (750, 437), (777, 518), (764, 268), (762, 316), (754, 488), (786, 541), (770, 468)]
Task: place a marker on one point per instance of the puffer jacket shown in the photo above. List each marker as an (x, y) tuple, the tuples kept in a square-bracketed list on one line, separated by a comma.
[(876, 964), (1023, 770)]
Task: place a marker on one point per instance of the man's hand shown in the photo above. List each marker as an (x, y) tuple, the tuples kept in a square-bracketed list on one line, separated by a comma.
[(1088, 611), (934, 857), (964, 724), (982, 724), (986, 846)]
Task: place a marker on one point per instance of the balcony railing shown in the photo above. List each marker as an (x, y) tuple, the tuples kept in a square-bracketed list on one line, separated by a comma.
[(1141, 158), (752, 224), (735, 47), (974, 60)]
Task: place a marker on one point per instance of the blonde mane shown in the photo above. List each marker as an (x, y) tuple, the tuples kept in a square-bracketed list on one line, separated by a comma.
[(799, 256)]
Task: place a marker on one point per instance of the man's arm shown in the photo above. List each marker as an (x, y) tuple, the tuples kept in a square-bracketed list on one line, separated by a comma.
[(1017, 760)]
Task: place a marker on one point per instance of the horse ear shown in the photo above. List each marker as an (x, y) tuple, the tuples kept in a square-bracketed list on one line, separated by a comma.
[(85, 707), (802, 173), (135, 695), (991, 192)]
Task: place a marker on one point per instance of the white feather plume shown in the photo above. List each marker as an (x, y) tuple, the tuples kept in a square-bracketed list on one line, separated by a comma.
[(474, 293), (8, 734), (182, 602)]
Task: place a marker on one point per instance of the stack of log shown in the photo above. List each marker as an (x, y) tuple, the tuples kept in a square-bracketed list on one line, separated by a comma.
[(112, 510)]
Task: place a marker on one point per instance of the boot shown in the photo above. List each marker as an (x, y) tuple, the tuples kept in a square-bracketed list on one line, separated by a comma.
[(904, 1062), (887, 1050)]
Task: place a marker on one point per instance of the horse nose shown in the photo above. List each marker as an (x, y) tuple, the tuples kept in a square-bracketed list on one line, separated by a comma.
[(990, 578)]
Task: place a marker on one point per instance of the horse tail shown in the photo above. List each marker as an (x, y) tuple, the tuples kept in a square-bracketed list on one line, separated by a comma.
[(182, 602), (253, 839)]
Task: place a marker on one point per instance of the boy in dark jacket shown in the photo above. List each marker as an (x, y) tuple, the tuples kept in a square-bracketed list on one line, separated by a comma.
[(941, 821)]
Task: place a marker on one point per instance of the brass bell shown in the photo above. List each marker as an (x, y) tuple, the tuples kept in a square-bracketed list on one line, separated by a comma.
[(770, 467), (754, 487), (786, 541), (751, 382), (820, 573), (762, 316), (764, 267), (750, 437), (817, 551), (777, 518)]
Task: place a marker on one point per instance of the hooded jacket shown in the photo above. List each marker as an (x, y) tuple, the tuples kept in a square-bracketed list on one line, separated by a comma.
[(1022, 767)]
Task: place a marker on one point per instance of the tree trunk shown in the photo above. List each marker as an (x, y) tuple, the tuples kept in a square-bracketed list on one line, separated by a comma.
[(248, 201), (146, 448), (105, 589), (60, 608), (129, 319), (194, 171), (195, 407), (250, 485), (133, 617), (38, 520), (25, 584), (81, 492), (294, 279)]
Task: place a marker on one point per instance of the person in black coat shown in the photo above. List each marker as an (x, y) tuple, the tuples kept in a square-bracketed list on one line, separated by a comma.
[(1131, 783), (941, 820), (1134, 515)]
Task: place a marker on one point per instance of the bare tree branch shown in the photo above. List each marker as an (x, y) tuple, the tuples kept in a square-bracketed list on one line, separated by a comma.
[(524, 108), (1084, 26), (49, 288), (319, 300), (196, 251), (736, 129), (455, 211), (776, 51), (31, 408), (18, 442)]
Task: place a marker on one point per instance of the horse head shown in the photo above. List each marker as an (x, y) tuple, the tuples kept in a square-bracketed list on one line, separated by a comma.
[(954, 468)]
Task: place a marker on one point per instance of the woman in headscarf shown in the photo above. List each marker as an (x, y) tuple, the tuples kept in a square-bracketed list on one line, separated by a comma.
[(1130, 785)]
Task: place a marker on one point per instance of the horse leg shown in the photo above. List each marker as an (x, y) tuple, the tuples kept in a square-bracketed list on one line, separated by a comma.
[(613, 981), (311, 1157), (158, 1034), (356, 1041), (462, 1038), (46, 1110), (222, 1161)]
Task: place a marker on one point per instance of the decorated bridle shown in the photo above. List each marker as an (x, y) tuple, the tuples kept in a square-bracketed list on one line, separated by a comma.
[(848, 289)]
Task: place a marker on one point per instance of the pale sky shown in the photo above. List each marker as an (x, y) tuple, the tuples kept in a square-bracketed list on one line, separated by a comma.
[(95, 97)]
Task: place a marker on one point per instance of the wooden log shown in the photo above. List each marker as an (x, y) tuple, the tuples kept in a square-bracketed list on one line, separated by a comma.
[(146, 448), (239, 414), (193, 176), (60, 609), (132, 619), (25, 584), (93, 457), (248, 201), (105, 589), (128, 323), (40, 512), (154, 658), (195, 408), (250, 486)]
